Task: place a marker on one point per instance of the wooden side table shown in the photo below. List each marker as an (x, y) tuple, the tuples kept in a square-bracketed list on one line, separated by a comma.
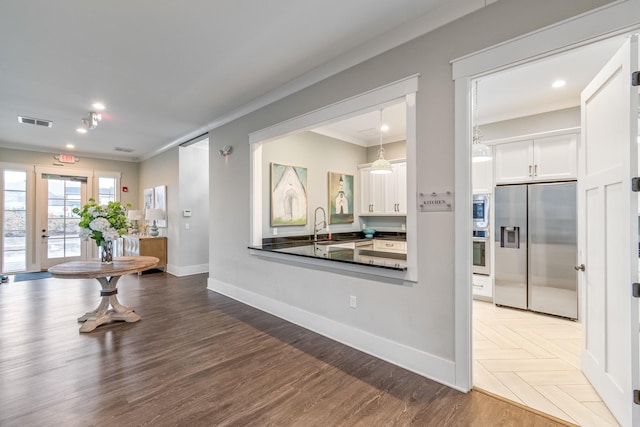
[(134, 245)]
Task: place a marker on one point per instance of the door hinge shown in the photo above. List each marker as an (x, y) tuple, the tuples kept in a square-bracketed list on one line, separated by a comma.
[(635, 290), (636, 397), (635, 78), (635, 184)]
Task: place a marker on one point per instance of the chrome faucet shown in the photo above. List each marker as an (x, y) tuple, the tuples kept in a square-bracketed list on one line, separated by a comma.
[(322, 224)]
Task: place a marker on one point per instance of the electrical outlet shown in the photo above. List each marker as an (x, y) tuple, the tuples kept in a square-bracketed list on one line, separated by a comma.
[(353, 302), (275, 231)]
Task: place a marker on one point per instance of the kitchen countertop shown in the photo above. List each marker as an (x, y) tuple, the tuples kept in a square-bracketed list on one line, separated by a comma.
[(325, 249)]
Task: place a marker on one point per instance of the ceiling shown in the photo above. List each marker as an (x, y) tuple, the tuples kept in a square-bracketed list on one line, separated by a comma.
[(515, 92), (170, 71)]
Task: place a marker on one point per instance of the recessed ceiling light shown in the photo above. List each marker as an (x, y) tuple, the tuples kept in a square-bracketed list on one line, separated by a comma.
[(81, 130), (98, 105), (70, 146), (384, 128), (558, 84)]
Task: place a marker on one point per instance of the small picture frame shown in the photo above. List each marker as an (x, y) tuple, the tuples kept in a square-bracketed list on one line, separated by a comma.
[(148, 198), (340, 198)]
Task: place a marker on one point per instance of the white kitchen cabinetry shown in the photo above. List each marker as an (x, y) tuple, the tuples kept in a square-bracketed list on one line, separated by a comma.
[(541, 159), (482, 177), (482, 287), (384, 194), (395, 246)]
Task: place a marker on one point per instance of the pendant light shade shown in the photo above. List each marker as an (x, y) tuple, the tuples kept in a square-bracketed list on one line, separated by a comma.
[(382, 165), (479, 151)]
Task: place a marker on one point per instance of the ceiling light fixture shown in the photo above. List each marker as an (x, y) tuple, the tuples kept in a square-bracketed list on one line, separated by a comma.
[(381, 166), (98, 106), (91, 122), (479, 151), (81, 130), (70, 146), (558, 84)]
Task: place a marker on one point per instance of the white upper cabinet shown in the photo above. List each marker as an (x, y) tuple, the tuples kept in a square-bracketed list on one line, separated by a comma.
[(384, 194), (372, 188), (542, 159), (482, 177)]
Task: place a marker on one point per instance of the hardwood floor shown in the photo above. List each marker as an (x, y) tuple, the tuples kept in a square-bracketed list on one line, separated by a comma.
[(534, 359), (198, 358)]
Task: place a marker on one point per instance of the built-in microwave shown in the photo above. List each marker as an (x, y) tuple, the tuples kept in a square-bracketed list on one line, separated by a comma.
[(480, 211)]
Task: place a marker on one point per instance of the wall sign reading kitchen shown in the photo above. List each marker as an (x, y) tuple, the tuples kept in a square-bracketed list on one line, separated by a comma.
[(436, 202)]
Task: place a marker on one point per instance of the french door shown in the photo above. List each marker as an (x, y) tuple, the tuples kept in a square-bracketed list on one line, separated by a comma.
[(57, 224)]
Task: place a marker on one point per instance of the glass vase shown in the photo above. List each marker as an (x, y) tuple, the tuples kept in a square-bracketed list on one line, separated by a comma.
[(106, 252)]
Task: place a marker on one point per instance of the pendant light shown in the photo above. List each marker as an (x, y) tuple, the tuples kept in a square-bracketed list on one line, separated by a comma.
[(382, 165), (479, 151)]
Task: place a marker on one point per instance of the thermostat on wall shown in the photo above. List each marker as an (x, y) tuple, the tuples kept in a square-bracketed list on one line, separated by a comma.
[(186, 212)]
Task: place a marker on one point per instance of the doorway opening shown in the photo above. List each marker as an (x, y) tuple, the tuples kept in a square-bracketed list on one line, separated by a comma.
[(524, 356)]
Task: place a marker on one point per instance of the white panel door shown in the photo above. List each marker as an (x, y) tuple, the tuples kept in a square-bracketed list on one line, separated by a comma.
[(607, 234)]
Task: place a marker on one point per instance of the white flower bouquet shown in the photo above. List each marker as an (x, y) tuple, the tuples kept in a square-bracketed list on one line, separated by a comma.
[(102, 223)]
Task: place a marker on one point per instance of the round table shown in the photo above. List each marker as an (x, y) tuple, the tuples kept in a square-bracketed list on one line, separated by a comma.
[(108, 276)]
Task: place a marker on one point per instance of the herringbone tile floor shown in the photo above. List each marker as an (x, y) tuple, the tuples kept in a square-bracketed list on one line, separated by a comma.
[(534, 359)]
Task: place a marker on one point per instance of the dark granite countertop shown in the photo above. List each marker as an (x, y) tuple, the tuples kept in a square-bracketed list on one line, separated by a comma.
[(325, 249)]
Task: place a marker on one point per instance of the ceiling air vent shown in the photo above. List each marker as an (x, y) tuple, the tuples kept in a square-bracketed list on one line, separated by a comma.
[(35, 122), (124, 150)]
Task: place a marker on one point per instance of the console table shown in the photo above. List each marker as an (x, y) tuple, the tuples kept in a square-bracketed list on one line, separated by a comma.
[(108, 276), (135, 245)]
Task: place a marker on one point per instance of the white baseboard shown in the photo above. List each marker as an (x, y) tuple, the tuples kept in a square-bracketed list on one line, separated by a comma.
[(425, 364), (187, 270)]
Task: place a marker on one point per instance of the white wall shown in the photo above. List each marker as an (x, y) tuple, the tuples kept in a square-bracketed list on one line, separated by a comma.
[(412, 324), (193, 231), (529, 125), (163, 170)]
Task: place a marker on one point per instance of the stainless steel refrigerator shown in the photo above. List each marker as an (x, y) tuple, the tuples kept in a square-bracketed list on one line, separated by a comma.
[(536, 248)]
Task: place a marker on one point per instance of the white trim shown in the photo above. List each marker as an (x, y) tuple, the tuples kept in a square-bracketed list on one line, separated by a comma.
[(187, 270), (537, 135), (378, 98), (609, 20), (409, 358), (597, 24), (401, 90)]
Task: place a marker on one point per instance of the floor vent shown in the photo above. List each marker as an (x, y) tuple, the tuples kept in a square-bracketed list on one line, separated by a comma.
[(35, 122), (124, 150)]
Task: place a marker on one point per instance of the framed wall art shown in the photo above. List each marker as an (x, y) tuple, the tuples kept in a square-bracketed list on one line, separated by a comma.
[(288, 195), (148, 198), (160, 202), (340, 198)]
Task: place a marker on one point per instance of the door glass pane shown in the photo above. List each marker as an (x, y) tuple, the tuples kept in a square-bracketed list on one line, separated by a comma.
[(14, 221), (62, 223), (106, 190)]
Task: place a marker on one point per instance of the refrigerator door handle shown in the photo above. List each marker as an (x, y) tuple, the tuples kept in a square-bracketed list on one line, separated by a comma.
[(580, 267)]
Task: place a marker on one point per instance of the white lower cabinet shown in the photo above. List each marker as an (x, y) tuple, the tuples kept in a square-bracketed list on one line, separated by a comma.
[(482, 287), (396, 246)]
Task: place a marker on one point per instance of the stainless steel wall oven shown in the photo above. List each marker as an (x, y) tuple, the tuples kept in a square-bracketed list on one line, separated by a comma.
[(481, 251)]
